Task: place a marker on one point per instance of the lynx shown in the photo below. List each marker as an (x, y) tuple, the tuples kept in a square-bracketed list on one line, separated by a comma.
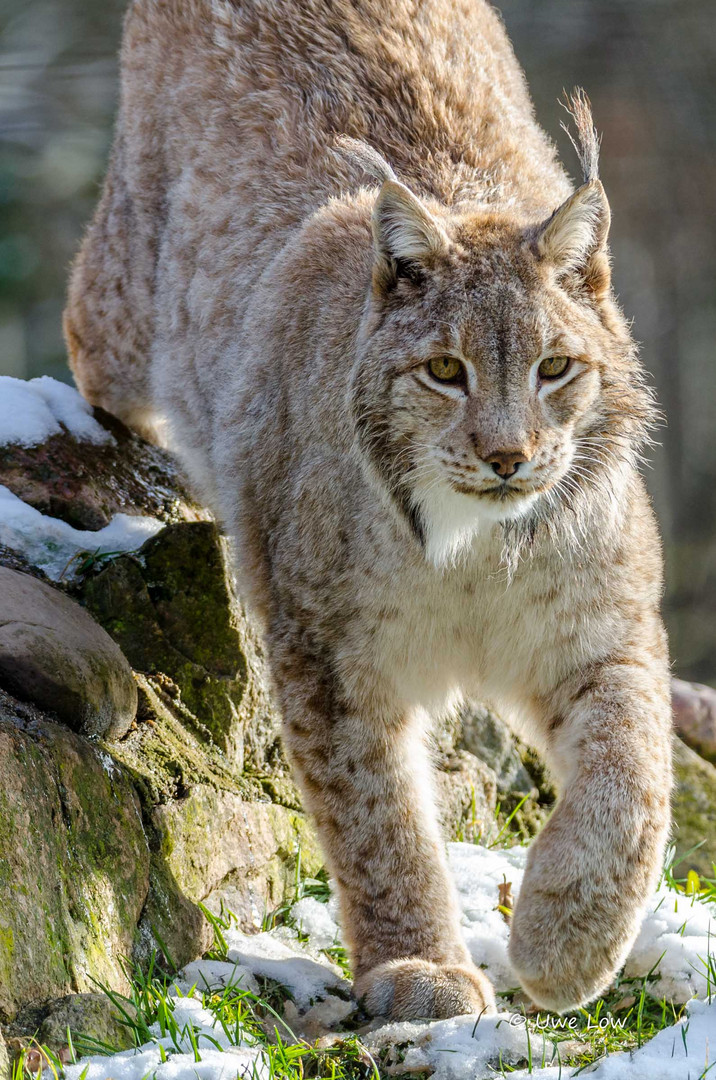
[(338, 268)]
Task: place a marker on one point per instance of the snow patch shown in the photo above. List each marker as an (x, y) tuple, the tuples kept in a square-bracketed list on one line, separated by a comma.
[(685, 1051), (51, 544), (316, 920), (684, 931), (32, 411), (306, 979)]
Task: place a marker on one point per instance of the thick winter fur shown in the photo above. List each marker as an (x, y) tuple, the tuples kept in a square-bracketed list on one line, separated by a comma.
[(267, 297)]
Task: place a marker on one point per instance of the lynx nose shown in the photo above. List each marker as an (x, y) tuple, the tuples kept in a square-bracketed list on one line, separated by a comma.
[(506, 462)]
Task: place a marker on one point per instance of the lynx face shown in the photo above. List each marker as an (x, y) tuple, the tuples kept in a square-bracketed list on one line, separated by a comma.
[(492, 381)]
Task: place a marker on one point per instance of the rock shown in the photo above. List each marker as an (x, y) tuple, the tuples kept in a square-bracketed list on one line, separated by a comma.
[(53, 654), (485, 735), (525, 794), (216, 846), (167, 753), (5, 1069), (90, 1018), (74, 861), (466, 789), (694, 808), (694, 708), (107, 849), (85, 483), (173, 611)]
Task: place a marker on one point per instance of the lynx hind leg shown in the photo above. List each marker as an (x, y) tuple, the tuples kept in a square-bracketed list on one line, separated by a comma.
[(108, 319), (364, 772)]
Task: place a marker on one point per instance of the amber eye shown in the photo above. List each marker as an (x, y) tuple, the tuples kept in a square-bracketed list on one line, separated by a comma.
[(445, 369), (553, 366)]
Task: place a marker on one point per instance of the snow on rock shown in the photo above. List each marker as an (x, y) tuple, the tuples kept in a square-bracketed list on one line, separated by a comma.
[(30, 412), (51, 544)]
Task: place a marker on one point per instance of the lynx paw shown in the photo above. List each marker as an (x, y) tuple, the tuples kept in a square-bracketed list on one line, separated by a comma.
[(409, 989), (564, 956)]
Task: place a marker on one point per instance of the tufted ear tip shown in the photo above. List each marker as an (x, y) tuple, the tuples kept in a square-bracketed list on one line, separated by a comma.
[(574, 239)]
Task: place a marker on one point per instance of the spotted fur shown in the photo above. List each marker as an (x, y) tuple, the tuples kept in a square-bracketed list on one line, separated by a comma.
[(307, 203)]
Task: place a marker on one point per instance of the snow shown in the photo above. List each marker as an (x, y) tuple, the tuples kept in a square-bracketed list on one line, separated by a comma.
[(264, 954), (456, 1049), (684, 930), (462, 1048), (51, 544), (30, 412), (477, 872), (317, 920), (684, 1051), (216, 975), (677, 926)]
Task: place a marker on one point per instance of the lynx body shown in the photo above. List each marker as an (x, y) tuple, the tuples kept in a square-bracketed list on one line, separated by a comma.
[(399, 377)]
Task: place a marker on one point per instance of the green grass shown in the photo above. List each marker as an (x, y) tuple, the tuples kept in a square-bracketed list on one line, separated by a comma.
[(624, 1019), (319, 889), (245, 1018)]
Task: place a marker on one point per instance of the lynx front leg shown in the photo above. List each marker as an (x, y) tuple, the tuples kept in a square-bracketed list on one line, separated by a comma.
[(596, 862), (365, 776)]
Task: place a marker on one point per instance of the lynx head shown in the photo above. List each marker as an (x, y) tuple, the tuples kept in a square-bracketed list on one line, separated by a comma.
[(497, 380)]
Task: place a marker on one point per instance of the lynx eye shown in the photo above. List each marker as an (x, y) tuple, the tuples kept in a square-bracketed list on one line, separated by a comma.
[(553, 366), (446, 369)]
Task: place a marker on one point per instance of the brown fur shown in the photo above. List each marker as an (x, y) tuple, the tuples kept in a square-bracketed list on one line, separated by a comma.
[(267, 297)]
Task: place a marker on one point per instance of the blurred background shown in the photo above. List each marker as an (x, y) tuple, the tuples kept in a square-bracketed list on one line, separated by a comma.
[(649, 67)]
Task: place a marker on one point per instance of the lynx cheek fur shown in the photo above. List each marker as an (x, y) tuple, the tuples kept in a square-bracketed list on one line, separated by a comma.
[(408, 392)]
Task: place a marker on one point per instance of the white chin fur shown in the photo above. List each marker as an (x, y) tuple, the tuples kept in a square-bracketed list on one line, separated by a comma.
[(452, 520)]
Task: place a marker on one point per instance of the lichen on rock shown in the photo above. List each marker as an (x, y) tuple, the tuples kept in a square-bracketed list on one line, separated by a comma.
[(74, 864)]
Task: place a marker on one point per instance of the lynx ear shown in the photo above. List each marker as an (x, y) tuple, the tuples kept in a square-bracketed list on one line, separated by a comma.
[(407, 238), (574, 239)]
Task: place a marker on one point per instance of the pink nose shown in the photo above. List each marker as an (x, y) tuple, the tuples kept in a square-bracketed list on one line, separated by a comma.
[(506, 462)]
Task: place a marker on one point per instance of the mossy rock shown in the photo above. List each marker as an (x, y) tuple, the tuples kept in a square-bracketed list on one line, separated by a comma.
[(173, 611), (91, 1019), (74, 860), (466, 790), (694, 809), (214, 847), (5, 1068), (166, 756), (482, 733), (525, 794)]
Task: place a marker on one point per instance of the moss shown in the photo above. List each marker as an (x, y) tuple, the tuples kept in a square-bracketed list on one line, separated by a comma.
[(165, 759), (75, 857), (281, 790), (694, 810), (172, 611)]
